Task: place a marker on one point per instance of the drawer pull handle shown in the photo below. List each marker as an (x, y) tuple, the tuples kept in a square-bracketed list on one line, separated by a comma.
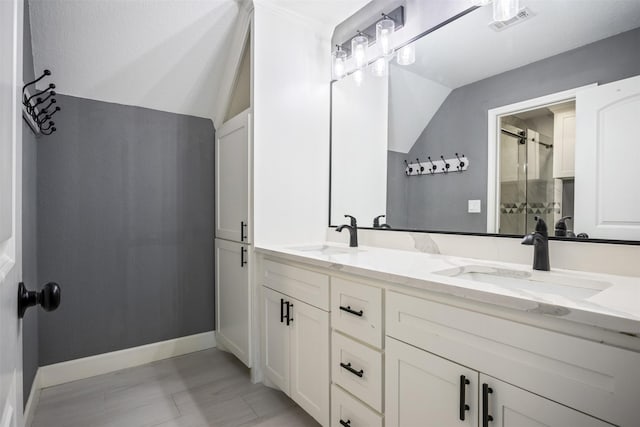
[(243, 226), (348, 367), (281, 310), (486, 390), (289, 318), (345, 423), (463, 401), (349, 310)]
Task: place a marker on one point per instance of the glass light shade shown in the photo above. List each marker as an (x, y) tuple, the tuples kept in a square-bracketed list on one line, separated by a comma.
[(384, 33), (407, 55), (380, 67), (339, 63), (358, 77), (359, 46), (503, 10)]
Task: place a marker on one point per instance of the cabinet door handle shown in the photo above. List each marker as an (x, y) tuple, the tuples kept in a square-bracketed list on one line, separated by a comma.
[(345, 423), (348, 367), (486, 390), (289, 318), (463, 403), (243, 226), (281, 310), (349, 310), (243, 251)]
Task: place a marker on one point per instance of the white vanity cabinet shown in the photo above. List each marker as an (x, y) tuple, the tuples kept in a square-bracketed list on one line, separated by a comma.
[(296, 336)]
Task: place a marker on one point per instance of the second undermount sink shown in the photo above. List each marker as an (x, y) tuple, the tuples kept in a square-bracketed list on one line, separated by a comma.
[(560, 284), (325, 249)]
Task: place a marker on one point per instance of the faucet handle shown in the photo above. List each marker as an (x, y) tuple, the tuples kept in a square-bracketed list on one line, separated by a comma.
[(353, 220)]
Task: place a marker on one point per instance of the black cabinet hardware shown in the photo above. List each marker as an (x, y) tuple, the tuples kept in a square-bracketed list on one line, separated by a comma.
[(349, 310), (48, 298), (464, 382), (348, 367), (345, 423), (243, 261), (486, 390), (281, 310), (243, 226), (289, 318)]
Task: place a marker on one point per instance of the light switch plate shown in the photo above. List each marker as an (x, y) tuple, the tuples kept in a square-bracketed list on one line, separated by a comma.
[(475, 206)]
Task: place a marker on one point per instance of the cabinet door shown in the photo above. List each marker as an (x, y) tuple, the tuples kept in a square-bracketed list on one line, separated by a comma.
[(425, 390), (276, 333), (310, 360), (233, 298), (564, 143), (232, 179), (510, 406)]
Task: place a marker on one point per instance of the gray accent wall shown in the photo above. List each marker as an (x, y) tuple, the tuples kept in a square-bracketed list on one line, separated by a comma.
[(125, 225), (439, 202), (29, 225)]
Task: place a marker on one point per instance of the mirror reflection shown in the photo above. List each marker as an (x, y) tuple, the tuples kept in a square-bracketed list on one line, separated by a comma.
[(497, 123)]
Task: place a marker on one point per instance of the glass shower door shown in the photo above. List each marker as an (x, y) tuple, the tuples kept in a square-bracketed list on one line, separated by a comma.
[(513, 180)]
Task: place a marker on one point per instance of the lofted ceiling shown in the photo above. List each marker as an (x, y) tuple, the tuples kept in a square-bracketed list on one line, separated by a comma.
[(168, 55)]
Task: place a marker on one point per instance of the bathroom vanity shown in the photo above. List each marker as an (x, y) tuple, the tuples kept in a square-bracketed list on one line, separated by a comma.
[(371, 337)]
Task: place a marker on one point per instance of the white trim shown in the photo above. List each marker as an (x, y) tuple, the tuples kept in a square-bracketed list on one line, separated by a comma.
[(32, 401), (73, 370), (493, 150)]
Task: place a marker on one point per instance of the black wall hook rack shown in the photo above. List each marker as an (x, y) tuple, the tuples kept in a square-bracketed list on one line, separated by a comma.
[(432, 167), (35, 112)]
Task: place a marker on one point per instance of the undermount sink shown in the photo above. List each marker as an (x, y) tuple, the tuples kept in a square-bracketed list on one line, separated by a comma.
[(326, 249), (537, 282)]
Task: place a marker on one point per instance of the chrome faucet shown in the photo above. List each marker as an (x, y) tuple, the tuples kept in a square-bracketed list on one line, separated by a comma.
[(540, 241), (353, 231)]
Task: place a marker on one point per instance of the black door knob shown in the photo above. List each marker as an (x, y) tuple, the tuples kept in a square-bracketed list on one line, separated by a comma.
[(48, 298)]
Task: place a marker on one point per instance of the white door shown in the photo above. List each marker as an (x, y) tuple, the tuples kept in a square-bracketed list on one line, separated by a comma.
[(607, 203), (10, 211), (233, 298), (511, 406), (424, 389), (310, 360), (276, 339), (232, 179)]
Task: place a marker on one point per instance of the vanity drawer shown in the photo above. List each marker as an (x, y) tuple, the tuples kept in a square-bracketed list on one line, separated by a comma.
[(358, 369), (356, 310), (350, 410), (588, 376), (305, 285)]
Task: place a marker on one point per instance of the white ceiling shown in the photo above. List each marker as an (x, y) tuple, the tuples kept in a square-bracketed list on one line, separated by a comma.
[(167, 55), (467, 50)]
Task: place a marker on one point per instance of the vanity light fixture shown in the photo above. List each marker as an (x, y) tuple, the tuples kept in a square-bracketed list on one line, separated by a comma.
[(359, 45), (384, 34), (483, 2), (503, 10), (339, 63), (406, 55), (380, 67), (358, 77)]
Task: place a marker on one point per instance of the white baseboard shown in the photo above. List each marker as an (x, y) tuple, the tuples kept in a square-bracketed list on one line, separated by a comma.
[(32, 401), (73, 370)]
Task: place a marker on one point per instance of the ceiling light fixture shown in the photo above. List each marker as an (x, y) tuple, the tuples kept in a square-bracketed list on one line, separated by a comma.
[(503, 10)]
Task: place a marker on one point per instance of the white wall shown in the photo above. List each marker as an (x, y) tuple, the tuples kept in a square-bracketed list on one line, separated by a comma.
[(359, 148), (291, 127)]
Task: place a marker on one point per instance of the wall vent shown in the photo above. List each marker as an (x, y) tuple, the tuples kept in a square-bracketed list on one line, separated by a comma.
[(522, 16)]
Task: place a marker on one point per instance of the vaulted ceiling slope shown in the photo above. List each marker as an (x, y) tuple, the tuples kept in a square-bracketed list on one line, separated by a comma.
[(167, 55)]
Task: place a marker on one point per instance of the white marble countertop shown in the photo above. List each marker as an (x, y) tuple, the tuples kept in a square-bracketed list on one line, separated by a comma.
[(606, 301)]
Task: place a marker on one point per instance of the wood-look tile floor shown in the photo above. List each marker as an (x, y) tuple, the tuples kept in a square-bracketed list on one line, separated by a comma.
[(208, 388)]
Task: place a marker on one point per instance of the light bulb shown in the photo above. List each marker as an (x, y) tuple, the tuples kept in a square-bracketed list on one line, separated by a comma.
[(380, 67), (358, 77), (359, 46), (407, 55), (384, 33), (503, 10), (339, 60)]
